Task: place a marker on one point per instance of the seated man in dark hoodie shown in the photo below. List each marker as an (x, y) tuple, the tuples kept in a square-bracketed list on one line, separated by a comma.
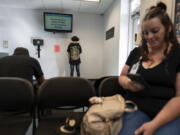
[(20, 64)]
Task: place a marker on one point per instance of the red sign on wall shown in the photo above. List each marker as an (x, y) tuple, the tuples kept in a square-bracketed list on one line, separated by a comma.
[(56, 48)]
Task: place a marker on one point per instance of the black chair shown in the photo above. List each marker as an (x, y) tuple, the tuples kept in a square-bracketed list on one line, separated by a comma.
[(110, 86), (61, 95), (16, 106), (98, 82)]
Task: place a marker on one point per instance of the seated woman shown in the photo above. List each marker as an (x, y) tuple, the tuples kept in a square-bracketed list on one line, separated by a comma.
[(157, 60)]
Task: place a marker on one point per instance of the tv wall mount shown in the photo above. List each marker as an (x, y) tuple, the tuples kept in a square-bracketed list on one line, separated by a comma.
[(38, 43)]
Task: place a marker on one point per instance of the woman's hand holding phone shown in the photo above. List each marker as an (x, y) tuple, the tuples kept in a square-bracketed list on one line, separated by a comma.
[(127, 83), (135, 86)]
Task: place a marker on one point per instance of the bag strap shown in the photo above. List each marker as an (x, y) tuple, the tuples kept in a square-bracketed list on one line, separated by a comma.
[(130, 109)]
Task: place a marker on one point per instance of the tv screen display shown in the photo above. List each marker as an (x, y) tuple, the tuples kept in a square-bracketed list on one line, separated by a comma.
[(57, 22)]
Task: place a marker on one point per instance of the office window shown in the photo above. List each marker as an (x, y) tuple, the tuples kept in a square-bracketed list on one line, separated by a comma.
[(134, 5)]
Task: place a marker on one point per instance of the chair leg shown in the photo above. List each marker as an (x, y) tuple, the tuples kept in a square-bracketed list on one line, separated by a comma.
[(34, 117), (34, 126)]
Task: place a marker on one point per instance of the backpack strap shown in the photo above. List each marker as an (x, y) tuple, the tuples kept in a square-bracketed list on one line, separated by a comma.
[(130, 109)]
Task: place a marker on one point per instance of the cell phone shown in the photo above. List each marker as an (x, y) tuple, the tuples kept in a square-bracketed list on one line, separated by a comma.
[(138, 78)]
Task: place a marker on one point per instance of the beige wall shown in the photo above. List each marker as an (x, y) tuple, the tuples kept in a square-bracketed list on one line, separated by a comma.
[(145, 4)]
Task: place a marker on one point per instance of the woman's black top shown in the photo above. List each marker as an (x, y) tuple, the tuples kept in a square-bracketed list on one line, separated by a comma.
[(161, 80)]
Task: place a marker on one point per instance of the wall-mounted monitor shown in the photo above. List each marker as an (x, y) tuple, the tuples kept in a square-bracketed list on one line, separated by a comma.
[(57, 22)]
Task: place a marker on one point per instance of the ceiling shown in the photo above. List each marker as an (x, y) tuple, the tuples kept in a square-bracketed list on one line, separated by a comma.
[(74, 5)]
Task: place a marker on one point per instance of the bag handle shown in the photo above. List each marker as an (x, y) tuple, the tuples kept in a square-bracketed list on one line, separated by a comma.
[(130, 109)]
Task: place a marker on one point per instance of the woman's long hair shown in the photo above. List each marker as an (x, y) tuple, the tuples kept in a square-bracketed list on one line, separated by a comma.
[(159, 11)]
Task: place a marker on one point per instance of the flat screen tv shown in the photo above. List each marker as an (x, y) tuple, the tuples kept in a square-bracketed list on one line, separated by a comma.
[(57, 22)]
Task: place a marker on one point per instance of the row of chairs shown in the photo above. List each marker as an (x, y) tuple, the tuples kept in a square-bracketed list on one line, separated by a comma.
[(19, 105)]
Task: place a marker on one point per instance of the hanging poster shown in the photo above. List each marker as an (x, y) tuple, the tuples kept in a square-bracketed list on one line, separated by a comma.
[(56, 48)]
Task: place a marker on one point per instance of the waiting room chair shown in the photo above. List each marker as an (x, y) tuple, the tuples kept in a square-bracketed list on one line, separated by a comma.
[(110, 86), (58, 93), (98, 82), (16, 106)]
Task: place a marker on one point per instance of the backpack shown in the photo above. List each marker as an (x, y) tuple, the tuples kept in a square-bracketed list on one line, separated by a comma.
[(105, 118)]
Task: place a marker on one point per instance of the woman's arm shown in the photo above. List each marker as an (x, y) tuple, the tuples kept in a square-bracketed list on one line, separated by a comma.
[(123, 79), (126, 82), (167, 114)]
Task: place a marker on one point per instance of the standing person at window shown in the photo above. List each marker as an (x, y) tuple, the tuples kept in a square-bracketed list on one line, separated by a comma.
[(159, 104), (20, 64), (74, 50)]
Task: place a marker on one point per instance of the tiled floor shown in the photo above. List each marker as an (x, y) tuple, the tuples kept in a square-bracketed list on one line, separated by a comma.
[(29, 131)]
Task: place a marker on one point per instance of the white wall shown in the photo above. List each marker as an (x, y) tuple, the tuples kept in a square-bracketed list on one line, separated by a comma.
[(124, 33), (111, 46), (19, 26), (100, 57), (116, 49)]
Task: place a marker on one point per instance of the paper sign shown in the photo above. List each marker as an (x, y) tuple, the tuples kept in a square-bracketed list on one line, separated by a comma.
[(56, 48)]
